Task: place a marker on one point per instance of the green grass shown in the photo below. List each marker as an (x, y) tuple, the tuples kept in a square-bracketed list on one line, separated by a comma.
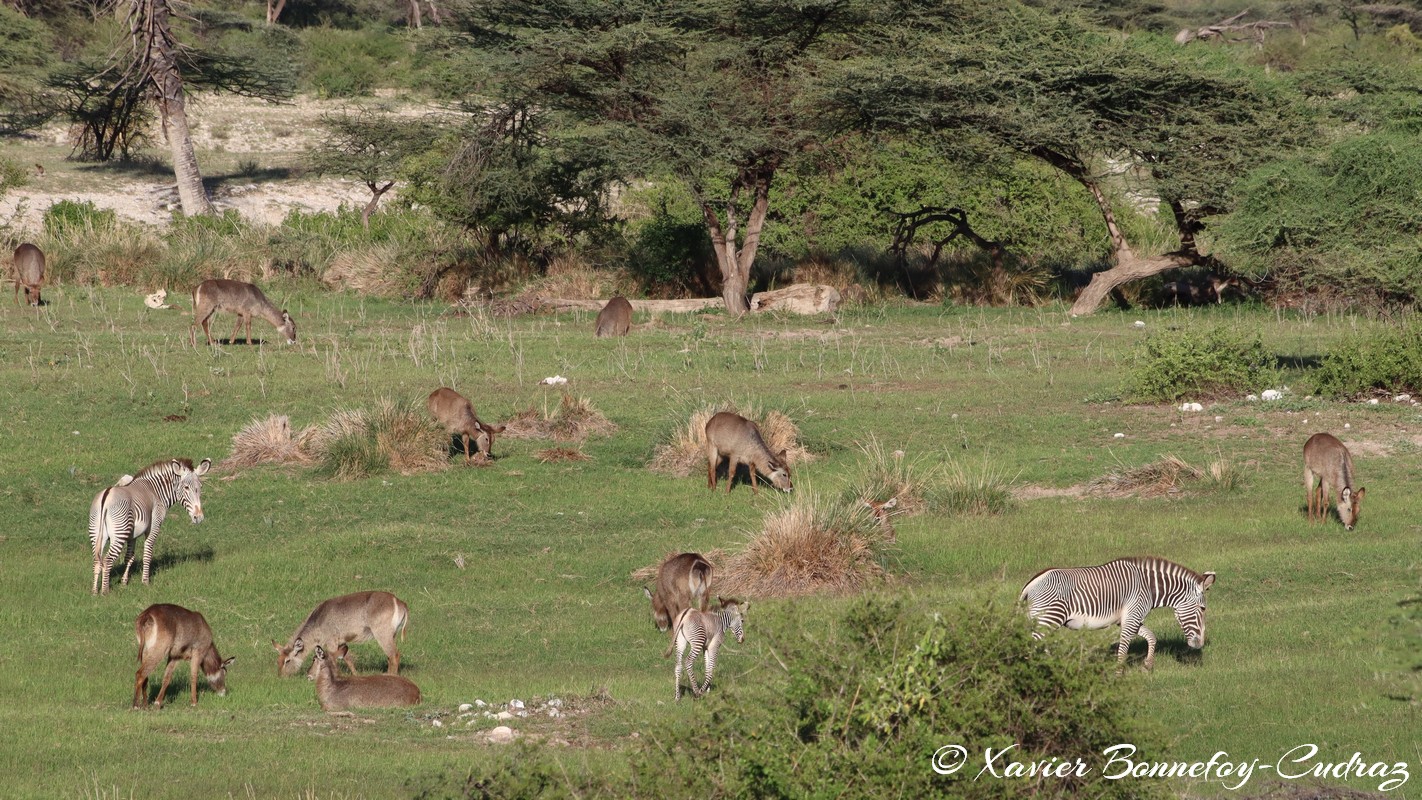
[(1298, 647)]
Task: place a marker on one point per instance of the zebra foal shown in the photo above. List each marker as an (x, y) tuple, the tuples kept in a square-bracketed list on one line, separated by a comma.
[(698, 631), (136, 507), (1121, 592)]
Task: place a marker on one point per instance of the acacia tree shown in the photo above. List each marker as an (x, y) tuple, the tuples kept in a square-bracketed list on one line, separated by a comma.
[(717, 93), (154, 66), (370, 147), (1180, 126)]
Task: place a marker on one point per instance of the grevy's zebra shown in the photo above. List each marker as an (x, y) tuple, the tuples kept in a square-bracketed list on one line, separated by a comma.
[(696, 631), (1121, 593), (136, 507)]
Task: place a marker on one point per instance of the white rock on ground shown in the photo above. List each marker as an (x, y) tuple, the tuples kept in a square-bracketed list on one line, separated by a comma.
[(501, 735), (1271, 394)]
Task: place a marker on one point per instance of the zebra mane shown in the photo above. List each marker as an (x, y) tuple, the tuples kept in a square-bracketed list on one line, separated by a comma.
[(1150, 560), (162, 466)]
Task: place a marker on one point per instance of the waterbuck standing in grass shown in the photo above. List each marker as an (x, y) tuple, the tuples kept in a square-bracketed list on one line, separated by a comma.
[(454, 411), (357, 617), (335, 693), (29, 273), (682, 581), (136, 507), (615, 318), (702, 631), (736, 438), (242, 299), (1328, 467), (174, 633), (1121, 592)]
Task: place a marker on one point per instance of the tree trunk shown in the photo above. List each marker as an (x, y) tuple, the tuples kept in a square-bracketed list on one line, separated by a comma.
[(168, 83), (1128, 268), (412, 18), (274, 8), (376, 192), (736, 261)]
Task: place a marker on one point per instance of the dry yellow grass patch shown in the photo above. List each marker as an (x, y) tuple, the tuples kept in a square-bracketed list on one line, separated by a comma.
[(684, 449), (554, 455), (575, 419), (268, 441), (1168, 475), (354, 443), (365, 270)]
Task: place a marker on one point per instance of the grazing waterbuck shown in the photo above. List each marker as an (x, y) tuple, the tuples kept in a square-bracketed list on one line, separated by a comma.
[(682, 581), (242, 299), (174, 633), (702, 631), (29, 273), (1121, 592), (615, 318), (454, 411), (136, 507), (1328, 468), (732, 436), (357, 617), (335, 693)]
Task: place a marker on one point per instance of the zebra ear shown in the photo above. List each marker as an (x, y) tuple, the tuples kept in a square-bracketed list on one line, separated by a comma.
[(1208, 581), (124, 480), (203, 467)]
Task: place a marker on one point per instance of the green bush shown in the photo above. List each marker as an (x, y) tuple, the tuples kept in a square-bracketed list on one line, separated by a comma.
[(1199, 363), (1388, 361), (12, 175), (859, 711), (350, 63), (73, 218)]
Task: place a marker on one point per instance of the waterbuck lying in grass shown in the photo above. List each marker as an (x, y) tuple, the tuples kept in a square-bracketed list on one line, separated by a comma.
[(736, 438), (335, 693), (29, 273), (1328, 467), (615, 318), (177, 634), (242, 299), (702, 631), (456, 414), (357, 617)]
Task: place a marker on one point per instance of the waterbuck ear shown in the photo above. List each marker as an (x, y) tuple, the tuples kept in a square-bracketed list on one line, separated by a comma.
[(1361, 492), (784, 458), (1345, 494), (1208, 581), (320, 653), (203, 467), (285, 317), (298, 645), (228, 662), (277, 647), (647, 592)]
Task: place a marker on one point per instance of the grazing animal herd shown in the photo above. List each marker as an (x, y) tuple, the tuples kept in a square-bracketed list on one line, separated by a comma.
[(1121, 592)]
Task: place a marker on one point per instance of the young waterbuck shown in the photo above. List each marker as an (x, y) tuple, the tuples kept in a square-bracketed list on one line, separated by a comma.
[(1328, 463), (242, 299), (177, 634), (734, 437), (615, 319), (702, 631), (456, 414), (357, 617), (29, 273), (335, 693)]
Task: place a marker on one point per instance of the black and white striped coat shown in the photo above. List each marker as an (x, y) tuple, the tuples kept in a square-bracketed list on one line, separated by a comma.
[(698, 631), (136, 507), (1121, 592)]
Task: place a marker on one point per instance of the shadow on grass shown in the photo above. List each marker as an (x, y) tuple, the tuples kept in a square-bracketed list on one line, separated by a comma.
[(172, 559), (215, 182), (1298, 362), (1175, 648)]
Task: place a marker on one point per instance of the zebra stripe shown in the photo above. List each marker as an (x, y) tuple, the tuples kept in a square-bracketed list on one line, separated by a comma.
[(698, 631), (1121, 592), (136, 507)]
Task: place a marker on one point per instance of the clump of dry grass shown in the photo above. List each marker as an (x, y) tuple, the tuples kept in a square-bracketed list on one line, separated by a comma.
[(268, 441), (569, 277), (684, 448), (365, 270), (809, 546), (355, 443), (883, 476), (1167, 475), (575, 419), (555, 455)]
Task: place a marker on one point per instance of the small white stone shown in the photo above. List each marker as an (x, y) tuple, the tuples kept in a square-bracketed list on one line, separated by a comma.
[(1251, 397), (1373, 402), (465, 707), (1402, 398), (552, 712), (1140, 323), (1271, 394), (555, 702), (437, 723), (515, 704), (1218, 418), (501, 735), (1119, 436), (1347, 425), (480, 703), (503, 715)]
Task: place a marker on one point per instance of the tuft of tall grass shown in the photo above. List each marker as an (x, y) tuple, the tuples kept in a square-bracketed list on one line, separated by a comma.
[(683, 448), (1167, 475), (358, 443), (268, 440), (882, 476), (958, 490), (573, 420)]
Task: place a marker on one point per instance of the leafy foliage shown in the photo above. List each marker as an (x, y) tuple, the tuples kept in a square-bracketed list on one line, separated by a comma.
[(1198, 363), (1384, 361)]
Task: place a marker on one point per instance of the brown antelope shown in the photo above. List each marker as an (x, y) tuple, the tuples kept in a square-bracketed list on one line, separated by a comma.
[(615, 319), (357, 617), (456, 414), (335, 693), (1328, 462), (29, 273), (242, 299), (682, 581), (177, 634), (702, 631), (734, 437), (882, 511)]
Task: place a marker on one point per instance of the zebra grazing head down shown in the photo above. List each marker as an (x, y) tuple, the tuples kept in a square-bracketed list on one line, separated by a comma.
[(1121, 592)]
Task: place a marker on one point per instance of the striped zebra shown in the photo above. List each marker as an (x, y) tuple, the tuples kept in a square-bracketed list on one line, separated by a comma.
[(698, 631), (136, 507), (1121, 593)]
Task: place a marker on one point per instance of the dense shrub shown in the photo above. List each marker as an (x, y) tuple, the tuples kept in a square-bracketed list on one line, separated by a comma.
[(350, 63), (72, 218), (860, 709), (1199, 363), (1388, 360)]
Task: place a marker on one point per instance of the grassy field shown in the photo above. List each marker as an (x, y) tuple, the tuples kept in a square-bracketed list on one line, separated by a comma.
[(1302, 635)]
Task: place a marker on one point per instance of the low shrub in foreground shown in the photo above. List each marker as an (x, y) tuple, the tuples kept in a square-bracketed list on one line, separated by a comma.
[(1386, 361), (1187, 361)]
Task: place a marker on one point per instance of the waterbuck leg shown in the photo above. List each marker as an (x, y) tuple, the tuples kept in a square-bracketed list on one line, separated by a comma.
[(167, 677), (731, 472), (713, 460), (236, 330), (468, 459), (192, 679)]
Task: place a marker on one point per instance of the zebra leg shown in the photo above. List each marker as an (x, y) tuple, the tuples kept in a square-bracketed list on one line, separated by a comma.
[(1131, 620), (1150, 647), (110, 559), (681, 648), (1048, 617), (148, 542), (710, 663), (131, 548)]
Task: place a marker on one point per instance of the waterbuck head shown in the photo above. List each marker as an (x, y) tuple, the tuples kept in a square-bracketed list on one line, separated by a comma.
[(733, 612), (289, 659), (287, 327), (215, 669), (484, 442), (189, 481), (780, 472), (1350, 505), (1190, 613)]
